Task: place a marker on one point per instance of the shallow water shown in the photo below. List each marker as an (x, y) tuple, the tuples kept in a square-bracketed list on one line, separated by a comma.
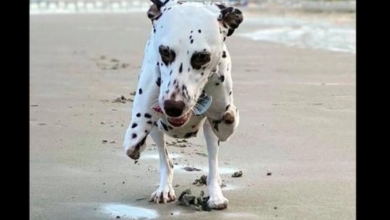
[(284, 30), (58, 7), (302, 33), (127, 211)]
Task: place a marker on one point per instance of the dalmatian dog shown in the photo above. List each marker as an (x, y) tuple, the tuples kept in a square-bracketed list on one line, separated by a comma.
[(186, 62)]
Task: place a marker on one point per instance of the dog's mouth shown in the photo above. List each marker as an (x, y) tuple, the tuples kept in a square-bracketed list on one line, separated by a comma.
[(175, 122), (180, 121)]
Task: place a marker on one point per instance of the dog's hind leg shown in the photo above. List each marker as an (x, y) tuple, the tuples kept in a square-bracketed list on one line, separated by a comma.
[(217, 200), (165, 192)]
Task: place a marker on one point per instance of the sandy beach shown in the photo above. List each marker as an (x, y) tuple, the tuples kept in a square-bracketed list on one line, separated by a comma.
[(295, 143)]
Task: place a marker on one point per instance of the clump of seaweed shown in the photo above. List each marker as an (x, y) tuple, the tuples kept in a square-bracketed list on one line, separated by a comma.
[(198, 203)]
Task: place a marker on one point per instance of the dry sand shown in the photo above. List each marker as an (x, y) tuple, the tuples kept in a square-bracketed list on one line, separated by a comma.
[(297, 123)]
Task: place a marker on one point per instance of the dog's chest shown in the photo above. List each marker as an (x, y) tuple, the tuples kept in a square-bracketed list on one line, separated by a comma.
[(187, 131)]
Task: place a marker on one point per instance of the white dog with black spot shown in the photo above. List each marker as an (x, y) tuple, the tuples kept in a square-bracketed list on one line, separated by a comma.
[(185, 79)]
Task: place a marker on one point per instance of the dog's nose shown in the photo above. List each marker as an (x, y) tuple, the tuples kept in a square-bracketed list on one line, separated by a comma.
[(173, 108)]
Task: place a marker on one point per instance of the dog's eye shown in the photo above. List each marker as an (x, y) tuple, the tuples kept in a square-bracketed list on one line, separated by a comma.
[(202, 58), (167, 55), (198, 59), (164, 51)]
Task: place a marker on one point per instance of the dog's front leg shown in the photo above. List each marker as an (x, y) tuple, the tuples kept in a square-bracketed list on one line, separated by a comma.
[(143, 118), (217, 200), (165, 192)]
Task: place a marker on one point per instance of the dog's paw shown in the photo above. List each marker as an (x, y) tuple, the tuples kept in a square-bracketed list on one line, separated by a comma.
[(133, 154), (133, 148), (228, 117), (218, 202), (163, 195)]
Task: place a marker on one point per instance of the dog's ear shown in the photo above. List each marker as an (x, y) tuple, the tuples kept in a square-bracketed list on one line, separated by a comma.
[(154, 11), (230, 18)]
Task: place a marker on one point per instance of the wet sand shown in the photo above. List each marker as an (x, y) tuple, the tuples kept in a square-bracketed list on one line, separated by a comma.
[(297, 123)]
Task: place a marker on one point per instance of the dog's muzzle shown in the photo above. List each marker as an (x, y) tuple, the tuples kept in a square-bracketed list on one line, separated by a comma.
[(180, 121), (174, 108), (174, 112)]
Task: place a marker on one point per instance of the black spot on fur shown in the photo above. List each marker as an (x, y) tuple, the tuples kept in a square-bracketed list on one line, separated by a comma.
[(142, 142), (192, 41), (170, 73), (216, 124), (146, 131), (181, 67), (189, 69), (223, 54), (164, 126), (226, 108), (174, 82), (217, 84), (222, 78), (230, 32), (224, 38), (138, 114), (134, 135), (140, 91), (154, 30), (134, 125), (202, 73), (193, 126), (230, 93), (155, 124), (200, 31), (191, 32), (158, 82), (147, 115), (188, 135), (149, 122), (158, 63)]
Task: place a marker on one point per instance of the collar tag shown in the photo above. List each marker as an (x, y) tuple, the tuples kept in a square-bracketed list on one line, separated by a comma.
[(203, 103)]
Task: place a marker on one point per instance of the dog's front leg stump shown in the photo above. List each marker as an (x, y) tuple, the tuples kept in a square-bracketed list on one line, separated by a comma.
[(217, 200), (165, 192), (229, 122), (143, 118)]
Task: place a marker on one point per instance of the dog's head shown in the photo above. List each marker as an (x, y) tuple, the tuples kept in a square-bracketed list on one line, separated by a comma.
[(188, 40)]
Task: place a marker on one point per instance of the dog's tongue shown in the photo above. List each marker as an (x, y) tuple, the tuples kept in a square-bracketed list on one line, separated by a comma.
[(157, 109)]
